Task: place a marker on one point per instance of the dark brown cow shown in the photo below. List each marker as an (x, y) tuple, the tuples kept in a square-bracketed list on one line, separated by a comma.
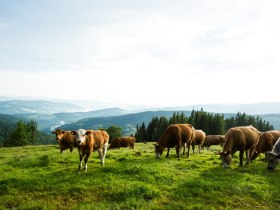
[(90, 141), (65, 139), (213, 140), (265, 143), (127, 141), (199, 137), (175, 135), (242, 139)]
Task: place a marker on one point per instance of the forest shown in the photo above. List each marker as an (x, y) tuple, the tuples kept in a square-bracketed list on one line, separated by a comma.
[(210, 123)]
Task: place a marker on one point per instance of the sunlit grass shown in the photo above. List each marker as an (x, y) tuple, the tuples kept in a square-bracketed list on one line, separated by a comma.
[(38, 177)]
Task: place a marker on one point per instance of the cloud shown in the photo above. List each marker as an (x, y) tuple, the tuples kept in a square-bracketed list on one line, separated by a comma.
[(141, 51)]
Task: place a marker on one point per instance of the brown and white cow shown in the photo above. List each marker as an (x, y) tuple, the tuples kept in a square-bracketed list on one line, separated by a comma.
[(199, 137), (90, 141), (175, 135), (126, 141), (242, 139), (213, 140), (265, 143), (65, 139)]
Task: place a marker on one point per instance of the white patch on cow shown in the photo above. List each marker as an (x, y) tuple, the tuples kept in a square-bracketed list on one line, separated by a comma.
[(80, 136)]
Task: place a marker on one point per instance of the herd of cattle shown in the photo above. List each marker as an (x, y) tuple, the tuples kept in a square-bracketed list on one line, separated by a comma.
[(180, 136)]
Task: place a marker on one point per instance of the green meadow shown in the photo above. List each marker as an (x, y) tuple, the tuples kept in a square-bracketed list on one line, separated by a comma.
[(39, 177)]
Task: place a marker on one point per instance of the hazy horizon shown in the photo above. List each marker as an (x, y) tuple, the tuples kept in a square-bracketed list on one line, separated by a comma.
[(159, 53)]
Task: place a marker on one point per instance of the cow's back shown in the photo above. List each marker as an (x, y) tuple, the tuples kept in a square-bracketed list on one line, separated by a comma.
[(266, 141), (187, 132), (251, 135), (242, 137), (100, 138), (199, 137)]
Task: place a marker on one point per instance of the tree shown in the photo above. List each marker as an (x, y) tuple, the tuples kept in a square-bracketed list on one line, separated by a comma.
[(114, 132), (25, 133)]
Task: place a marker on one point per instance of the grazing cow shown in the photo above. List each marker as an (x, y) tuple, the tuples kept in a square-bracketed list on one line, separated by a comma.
[(65, 139), (213, 140), (128, 141), (273, 157), (240, 139), (89, 141), (175, 135), (265, 143), (199, 137)]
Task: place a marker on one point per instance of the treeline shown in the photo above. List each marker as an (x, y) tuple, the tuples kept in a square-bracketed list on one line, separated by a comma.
[(210, 123), (25, 133)]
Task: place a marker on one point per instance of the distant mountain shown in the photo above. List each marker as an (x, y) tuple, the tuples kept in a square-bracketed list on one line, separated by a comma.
[(37, 106), (255, 108), (127, 122), (47, 122)]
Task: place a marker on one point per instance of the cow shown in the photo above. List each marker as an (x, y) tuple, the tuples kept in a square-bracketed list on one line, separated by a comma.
[(90, 141), (273, 157), (213, 140), (242, 139), (65, 139), (265, 143), (127, 141), (199, 137), (175, 135)]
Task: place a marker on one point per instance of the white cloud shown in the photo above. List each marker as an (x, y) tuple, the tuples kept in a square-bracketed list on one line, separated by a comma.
[(156, 52)]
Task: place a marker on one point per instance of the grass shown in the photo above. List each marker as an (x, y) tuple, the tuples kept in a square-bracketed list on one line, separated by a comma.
[(38, 177)]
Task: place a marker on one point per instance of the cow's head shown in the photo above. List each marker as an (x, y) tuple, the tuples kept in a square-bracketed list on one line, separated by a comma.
[(158, 150), (58, 133), (254, 155), (80, 136), (226, 158), (273, 159)]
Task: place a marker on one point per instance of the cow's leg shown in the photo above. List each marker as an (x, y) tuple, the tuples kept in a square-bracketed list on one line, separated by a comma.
[(189, 146), (81, 162), (178, 150), (193, 146), (86, 161), (247, 157), (241, 157), (100, 156), (167, 155), (104, 153), (199, 148), (184, 148)]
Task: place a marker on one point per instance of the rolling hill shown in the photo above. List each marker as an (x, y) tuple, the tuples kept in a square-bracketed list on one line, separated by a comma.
[(127, 122), (47, 122)]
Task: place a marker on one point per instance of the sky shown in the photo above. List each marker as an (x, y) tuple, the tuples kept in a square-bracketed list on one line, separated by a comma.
[(148, 52)]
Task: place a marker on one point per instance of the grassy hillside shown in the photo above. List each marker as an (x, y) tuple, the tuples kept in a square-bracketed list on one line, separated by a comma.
[(38, 177)]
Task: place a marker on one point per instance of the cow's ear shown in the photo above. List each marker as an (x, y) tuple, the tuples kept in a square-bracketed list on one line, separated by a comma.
[(53, 132), (73, 132), (88, 132)]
